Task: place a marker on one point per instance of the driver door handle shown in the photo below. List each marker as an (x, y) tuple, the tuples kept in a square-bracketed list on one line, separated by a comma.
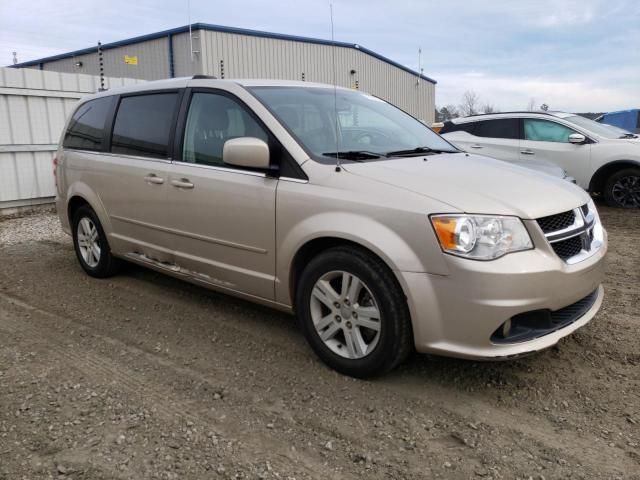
[(527, 152), (475, 145), (182, 183)]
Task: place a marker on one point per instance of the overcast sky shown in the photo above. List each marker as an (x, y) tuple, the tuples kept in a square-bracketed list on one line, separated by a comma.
[(575, 55)]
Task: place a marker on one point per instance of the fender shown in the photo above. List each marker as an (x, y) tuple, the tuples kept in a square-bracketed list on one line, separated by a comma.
[(386, 243), (82, 190), (599, 177)]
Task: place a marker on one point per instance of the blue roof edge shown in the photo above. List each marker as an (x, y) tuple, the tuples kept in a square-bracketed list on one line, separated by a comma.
[(223, 29)]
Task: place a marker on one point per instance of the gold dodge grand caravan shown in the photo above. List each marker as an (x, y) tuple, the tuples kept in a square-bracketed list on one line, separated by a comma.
[(380, 235)]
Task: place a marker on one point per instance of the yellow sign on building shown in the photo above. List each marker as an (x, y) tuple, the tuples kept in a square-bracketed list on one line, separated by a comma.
[(131, 60)]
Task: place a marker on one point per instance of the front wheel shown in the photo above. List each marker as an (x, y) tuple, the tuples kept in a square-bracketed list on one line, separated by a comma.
[(353, 312), (623, 189)]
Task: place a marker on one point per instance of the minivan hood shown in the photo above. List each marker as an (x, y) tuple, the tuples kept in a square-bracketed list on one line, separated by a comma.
[(541, 166), (476, 184)]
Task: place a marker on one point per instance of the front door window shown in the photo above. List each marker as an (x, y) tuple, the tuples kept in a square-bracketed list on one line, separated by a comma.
[(546, 131)]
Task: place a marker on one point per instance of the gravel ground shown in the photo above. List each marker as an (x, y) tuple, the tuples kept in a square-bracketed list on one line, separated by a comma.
[(144, 376)]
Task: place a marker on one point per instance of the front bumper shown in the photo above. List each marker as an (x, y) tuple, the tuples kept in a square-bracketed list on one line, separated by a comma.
[(456, 314)]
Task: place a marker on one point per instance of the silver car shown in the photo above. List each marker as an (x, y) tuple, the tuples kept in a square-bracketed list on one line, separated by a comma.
[(380, 235)]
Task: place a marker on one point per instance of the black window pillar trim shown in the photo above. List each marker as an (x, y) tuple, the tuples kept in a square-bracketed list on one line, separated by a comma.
[(110, 120)]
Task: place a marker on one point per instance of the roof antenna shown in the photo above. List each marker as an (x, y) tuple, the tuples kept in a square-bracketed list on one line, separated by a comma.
[(418, 82), (190, 33), (335, 91)]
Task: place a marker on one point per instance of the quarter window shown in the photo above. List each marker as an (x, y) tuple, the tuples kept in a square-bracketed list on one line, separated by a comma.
[(546, 131), (506, 128), (86, 129), (143, 125), (212, 120)]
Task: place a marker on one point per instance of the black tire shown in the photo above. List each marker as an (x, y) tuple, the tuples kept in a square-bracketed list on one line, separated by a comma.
[(107, 265), (622, 189), (395, 341)]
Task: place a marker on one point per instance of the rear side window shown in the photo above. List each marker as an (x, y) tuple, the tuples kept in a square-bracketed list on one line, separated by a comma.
[(86, 129), (506, 128), (449, 127), (143, 125)]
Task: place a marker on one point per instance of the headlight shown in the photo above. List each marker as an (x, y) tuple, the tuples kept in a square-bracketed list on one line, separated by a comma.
[(480, 237)]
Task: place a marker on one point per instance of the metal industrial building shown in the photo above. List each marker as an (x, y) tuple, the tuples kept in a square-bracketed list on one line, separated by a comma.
[(227, 52)]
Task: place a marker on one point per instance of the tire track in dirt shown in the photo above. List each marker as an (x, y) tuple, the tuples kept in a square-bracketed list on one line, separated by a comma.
[(240, 324), (180, 410), (464, 409)]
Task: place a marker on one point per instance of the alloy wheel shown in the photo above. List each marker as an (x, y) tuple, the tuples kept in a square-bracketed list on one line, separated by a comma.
[(345, 314), (626, 191), (88, 242)]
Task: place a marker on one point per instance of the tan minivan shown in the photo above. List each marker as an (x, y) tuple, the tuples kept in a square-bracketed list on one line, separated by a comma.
[(380, 235)]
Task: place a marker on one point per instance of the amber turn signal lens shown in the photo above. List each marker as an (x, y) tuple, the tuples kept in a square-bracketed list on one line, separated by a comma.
[(445, 229)]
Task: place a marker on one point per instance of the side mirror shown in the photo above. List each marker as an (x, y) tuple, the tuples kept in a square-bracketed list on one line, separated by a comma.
[(577, 138), (246, 152)]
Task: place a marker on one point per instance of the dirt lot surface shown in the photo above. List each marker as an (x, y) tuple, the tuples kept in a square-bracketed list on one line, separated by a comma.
[(142, 376)]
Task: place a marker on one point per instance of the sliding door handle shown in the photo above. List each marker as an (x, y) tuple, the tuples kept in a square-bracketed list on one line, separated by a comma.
[(154, 179)]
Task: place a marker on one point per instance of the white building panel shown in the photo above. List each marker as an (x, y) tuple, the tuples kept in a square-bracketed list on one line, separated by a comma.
[(34, 106)]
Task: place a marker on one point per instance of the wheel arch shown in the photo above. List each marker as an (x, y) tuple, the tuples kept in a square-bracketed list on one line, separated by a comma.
[(317, 245), (80, 194), (599, 178), (313, 248)]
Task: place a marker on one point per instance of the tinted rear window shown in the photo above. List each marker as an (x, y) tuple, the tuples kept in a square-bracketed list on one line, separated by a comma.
[(143, 125), (86, 129), (455, 127), (503, 128)]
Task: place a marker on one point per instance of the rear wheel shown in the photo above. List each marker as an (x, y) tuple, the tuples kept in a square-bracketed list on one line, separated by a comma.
[(353, 312), (91, 246), (623, 189)]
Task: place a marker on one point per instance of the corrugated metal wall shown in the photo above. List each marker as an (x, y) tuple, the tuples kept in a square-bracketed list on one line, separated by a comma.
[(34, 106), (153, 61), (183, 66), (247, 56), (259, 57)]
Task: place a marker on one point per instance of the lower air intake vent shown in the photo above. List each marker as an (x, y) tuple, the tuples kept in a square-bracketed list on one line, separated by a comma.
[(568, 248)]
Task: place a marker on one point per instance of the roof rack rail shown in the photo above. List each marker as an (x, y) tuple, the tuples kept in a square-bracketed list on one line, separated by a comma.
[(204, 77), (539, 112)]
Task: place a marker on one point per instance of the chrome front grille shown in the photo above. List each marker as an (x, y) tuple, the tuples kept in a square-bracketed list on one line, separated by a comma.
[(574, 235)]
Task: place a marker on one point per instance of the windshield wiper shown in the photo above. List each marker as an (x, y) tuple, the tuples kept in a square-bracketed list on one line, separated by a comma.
[(416, 151), (354, 155), (628, 135)]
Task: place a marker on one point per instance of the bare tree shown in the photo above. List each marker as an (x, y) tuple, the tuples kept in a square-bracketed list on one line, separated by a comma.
[(448, 112), (489, 108), (531, 106), (470, 103)]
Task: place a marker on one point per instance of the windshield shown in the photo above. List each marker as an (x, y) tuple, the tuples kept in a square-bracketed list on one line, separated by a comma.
[(602, 129), (367, 127)]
